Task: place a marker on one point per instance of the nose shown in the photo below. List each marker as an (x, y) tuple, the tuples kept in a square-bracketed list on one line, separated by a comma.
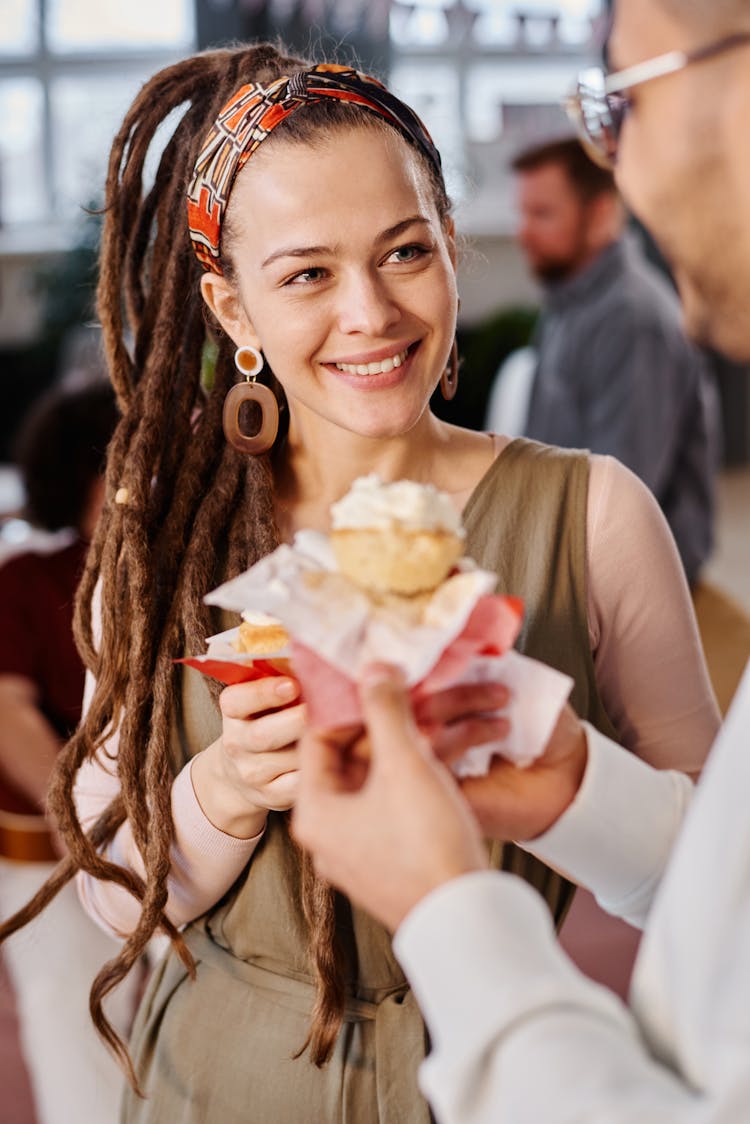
[(366, 304)]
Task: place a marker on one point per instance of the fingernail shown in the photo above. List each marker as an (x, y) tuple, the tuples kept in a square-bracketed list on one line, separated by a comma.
[(286, 689)]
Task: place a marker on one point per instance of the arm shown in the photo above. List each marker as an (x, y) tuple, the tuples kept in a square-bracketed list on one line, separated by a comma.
[(205, 860), (653, 681), (680, 1056), (28, 744), (221, 798), (648, 657), (217, 820), (618, 832), (631, 394), (518, 1034)]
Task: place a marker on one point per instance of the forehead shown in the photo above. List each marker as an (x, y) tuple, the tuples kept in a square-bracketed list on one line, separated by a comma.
[(548, 182), (363, 178)]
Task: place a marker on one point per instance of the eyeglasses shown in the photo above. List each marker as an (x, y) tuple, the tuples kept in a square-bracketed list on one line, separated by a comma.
[(600, 102)]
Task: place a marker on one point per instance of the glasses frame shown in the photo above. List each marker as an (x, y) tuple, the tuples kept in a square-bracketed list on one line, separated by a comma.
[(610, 92)]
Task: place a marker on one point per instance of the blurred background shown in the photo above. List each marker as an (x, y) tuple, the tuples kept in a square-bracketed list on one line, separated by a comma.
[(487, 77)]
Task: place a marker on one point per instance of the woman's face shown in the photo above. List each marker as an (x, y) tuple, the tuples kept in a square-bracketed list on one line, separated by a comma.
[(344, 277)]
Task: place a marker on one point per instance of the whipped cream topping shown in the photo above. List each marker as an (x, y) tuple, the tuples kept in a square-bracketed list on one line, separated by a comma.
[(370, 503), (254, 617)]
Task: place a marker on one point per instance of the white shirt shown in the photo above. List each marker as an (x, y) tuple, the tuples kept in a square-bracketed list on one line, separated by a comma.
[(520, 1037)]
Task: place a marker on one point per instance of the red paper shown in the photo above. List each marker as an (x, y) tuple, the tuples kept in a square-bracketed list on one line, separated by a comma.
[(230, 673), (333, 698)]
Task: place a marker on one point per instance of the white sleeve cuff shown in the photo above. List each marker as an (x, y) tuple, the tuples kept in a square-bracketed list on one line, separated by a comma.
[(617, 835)]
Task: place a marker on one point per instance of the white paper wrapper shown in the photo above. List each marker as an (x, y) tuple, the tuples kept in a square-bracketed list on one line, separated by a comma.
[(336, 621), (328, 614), (538, 694)]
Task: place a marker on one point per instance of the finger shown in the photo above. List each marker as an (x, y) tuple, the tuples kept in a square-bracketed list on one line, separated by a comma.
[(245, 699), (281, 794), (269, 733), (456, 702), (451, 742), (387, 710), (281, 763)]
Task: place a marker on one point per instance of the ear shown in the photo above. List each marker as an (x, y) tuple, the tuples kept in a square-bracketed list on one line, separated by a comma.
[(224, 302), (449, 229)]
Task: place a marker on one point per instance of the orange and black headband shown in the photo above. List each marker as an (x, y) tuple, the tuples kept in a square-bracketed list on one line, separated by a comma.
[(250, 116)]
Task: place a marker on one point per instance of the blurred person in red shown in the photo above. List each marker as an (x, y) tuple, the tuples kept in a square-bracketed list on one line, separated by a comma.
[(60, 453)]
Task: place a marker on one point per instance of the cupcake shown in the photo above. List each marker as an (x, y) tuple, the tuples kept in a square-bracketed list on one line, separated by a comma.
[(402, 538), (261, 635)]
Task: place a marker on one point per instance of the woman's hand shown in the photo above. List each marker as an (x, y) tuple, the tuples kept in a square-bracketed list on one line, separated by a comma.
[(252, 768), (513, 803), (458, 718)]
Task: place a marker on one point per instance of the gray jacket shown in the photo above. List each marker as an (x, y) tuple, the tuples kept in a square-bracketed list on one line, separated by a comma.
[(617, 375)]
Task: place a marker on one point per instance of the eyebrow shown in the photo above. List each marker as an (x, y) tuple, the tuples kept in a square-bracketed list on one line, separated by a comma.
[(312, 251)]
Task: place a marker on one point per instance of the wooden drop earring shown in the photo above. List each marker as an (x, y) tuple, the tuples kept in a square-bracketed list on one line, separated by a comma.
[(449, 377), (249, 362)]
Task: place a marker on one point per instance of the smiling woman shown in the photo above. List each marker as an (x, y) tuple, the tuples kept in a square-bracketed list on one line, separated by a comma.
[(318, 242), (348, 285)]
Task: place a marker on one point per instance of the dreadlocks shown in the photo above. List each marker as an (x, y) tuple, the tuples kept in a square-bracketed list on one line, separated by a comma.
[(175, 490)]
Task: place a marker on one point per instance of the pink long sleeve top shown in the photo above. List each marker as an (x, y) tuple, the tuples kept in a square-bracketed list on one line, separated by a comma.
[(649, 670)]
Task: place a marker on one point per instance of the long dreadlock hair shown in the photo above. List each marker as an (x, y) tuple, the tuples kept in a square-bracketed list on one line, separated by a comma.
[(174, 489)]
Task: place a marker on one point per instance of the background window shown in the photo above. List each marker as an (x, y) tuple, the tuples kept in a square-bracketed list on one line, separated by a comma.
[(22, 194), (86, 25), (68, 71)]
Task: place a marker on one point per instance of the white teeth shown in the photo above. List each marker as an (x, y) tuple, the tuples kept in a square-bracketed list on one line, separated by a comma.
[(381, 368)]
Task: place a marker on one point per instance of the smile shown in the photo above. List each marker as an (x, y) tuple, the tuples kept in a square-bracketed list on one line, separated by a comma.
[(380, 368)]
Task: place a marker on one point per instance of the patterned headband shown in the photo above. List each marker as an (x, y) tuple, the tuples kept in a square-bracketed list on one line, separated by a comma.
[(251, 115)]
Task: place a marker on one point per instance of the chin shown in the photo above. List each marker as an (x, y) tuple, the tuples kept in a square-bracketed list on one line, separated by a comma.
[(382, 421), (550, 272), (730, 338), (716, 325)]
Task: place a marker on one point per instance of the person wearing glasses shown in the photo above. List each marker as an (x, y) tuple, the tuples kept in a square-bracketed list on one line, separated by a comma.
[(517, 1034), (614, 372)]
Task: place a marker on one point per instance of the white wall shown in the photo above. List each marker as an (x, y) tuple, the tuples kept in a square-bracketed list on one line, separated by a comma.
[(492, 274)]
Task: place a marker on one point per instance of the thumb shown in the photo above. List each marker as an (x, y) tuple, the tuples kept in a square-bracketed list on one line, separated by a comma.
[(320, 756), (317, 780), (387, 711)]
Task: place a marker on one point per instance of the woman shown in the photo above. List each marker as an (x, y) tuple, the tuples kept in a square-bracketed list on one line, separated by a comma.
[(318, 214)]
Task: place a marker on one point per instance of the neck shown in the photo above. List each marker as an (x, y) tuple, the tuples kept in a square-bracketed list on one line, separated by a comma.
[(322, 460), (588, 256)]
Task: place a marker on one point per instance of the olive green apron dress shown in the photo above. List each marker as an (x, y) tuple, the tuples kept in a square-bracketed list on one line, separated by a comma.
[(219, 1049)]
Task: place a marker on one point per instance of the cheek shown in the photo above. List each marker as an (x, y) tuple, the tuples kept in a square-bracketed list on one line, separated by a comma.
[(288, 331), (632, 176)]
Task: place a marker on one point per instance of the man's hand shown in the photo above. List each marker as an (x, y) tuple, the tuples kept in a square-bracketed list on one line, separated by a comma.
[(384, 820), (513, 803)]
